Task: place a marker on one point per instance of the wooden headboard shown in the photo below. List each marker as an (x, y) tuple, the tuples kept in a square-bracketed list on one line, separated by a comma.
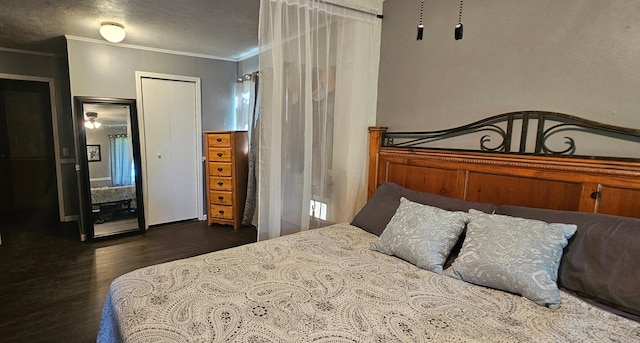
[(542, 178)]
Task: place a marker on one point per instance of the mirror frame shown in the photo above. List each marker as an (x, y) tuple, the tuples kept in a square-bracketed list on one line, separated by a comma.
[(84, 187)]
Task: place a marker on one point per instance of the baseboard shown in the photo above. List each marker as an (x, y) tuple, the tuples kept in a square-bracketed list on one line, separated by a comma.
[(70, 218)]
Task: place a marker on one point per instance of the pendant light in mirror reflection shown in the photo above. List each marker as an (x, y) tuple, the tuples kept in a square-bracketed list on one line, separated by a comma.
[(91, 120)]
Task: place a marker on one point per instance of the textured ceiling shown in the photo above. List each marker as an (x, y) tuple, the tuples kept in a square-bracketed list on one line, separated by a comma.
[(218, 28)]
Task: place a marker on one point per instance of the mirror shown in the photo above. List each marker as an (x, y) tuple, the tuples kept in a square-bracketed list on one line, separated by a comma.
[(110, 177)]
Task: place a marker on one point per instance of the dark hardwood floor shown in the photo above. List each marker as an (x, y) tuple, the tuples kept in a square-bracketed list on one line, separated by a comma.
[(52, 286)]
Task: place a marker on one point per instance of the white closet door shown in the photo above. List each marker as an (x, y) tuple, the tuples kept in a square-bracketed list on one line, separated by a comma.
[(171, 155)]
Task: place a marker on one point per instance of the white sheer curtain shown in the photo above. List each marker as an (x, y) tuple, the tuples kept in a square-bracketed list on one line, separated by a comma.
[(245, 100), (319, 73)]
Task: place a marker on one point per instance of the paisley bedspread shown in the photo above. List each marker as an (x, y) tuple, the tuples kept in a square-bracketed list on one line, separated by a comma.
[(112, 194), (326, 285)]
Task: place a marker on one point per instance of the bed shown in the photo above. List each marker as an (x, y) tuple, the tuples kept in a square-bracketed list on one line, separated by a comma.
[(112, 202), (347, 283), (113, 194)]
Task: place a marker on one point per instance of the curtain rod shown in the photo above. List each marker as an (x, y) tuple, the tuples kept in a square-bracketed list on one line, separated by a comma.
[(357, 10), (247, 76)]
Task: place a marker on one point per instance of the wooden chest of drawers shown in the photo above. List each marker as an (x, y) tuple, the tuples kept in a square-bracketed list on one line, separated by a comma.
[(226, 168)]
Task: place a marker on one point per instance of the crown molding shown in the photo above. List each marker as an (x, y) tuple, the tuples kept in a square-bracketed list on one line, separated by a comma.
[(146, 48), (248, 55), (30, 52)]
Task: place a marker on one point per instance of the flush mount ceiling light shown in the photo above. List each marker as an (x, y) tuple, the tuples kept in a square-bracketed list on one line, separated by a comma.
[(113, 32)]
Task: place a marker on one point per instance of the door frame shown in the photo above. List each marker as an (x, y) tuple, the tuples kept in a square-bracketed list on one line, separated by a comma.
[(56, 139), (198, 136)]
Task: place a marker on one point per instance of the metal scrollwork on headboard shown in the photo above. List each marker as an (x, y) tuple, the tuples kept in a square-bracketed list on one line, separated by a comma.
[(548, 125), (570, 150)]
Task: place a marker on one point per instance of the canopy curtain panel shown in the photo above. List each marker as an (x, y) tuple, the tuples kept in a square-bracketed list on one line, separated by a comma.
[(318, 89)]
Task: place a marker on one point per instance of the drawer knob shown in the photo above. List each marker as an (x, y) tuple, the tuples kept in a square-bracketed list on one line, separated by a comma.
[(220, 183), (219, 169), (220, 198), (218, 139), (219, 154), (221, 212)]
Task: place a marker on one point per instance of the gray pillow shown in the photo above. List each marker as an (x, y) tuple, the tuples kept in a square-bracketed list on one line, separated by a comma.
[(377, 212), (599, 258), (513, 254), (421, 234)]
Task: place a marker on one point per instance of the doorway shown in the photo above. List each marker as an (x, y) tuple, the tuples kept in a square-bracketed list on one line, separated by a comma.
[(28, 179)]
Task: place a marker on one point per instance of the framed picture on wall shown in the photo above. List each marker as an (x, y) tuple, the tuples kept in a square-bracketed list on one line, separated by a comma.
[(93, 153)]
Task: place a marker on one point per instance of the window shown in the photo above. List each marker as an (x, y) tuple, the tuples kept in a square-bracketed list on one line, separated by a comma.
[(318, 209)]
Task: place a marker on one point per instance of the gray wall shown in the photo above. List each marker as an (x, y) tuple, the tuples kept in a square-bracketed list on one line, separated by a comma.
[(577, 57), (249, 65), (109, 71), (56, 68)]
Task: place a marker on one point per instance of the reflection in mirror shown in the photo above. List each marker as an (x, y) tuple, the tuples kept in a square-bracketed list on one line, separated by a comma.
[(112, 203)]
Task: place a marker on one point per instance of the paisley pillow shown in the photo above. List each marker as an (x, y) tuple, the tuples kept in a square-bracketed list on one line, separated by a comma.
[(421, 234), (513, 254)]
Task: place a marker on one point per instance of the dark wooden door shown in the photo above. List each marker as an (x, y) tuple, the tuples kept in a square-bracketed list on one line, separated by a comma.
[(27, 159), (6, 190)]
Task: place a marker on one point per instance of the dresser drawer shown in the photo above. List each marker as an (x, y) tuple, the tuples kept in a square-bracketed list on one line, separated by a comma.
[(219, 154), (219, 169), (220, 183), (221, 198), (219, 139), (221, 212)]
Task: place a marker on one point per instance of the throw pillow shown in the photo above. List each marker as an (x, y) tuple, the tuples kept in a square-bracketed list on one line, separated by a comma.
[(513, 254), (421, 234)]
